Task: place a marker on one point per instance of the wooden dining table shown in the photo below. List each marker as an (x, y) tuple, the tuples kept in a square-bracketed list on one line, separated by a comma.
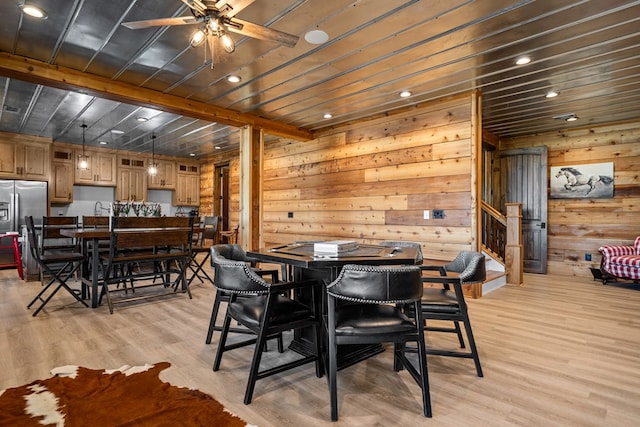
[(89, 274), (91, 264)]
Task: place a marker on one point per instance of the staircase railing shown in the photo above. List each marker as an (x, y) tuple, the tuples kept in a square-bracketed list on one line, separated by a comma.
[(502, 238), (494, 231)]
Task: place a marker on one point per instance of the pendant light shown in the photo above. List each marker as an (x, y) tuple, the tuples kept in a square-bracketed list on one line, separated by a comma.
[(153, 167), (83, 162)]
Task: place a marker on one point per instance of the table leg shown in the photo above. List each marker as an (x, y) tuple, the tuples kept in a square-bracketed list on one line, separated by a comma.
[(95, 258)]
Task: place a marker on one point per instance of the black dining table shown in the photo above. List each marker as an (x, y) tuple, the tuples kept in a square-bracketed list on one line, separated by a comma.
[(304, 264)]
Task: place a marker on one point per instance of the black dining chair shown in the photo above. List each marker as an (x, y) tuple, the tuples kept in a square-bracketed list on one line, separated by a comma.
[(202, 245), (59, 266), (52, 241), (232, 252), (447, 302), (266, 310), (365, 305)]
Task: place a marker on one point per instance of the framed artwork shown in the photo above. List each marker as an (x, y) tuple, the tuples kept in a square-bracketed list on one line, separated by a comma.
[(591, 181)]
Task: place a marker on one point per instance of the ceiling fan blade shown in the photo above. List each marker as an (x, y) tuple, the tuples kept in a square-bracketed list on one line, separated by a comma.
[(231, 8), (256, 31), (196, 5), (183, 20)]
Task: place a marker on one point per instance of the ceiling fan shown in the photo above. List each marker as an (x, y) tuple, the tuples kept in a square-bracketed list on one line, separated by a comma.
[(217, 19)]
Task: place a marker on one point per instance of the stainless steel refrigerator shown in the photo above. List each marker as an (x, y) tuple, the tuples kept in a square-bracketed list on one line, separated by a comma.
[(17, 200)]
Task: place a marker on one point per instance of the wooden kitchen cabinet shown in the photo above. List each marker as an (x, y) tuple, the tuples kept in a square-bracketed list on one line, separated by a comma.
[(187, 191), (61, 182), (165, 179), (132, 179), (101, 170), (24, 159)]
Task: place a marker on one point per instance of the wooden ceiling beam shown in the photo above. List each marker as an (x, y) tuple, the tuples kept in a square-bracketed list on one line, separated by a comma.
[(34, 71)]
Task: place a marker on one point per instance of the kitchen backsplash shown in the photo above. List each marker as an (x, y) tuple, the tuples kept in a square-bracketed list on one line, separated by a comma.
[(96, 200)]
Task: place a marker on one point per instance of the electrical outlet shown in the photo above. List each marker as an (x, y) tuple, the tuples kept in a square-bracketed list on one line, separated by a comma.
[(587, 257), (426, 215), (289, 214), (438, 214)]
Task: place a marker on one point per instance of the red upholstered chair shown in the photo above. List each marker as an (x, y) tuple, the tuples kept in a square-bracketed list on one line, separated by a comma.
[(621, 261)]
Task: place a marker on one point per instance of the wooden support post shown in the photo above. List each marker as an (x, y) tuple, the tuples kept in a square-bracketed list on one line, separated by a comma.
[(251, 155), (514, 259)]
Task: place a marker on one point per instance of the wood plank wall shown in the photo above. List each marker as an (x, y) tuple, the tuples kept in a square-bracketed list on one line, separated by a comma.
[(580, 226), (372, 181)]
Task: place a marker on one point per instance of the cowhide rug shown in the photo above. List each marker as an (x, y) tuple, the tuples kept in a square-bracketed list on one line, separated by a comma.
[(128, 396)]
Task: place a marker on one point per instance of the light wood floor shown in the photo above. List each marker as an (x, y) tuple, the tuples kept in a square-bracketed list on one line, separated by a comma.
[(558, 351)]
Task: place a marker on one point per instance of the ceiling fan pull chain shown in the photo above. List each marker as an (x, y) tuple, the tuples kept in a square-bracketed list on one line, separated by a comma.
[(210, 43)]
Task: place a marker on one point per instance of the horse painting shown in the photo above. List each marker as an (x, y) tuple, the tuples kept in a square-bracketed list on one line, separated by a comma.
[(575, 179)]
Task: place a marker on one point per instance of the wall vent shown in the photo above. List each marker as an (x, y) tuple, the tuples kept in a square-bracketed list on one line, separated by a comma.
[(10, 109)]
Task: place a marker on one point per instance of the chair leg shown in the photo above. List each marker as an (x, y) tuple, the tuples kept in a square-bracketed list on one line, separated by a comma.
[(223, 339), (459, 332), (214, 315), (198, 269), (472, 345), (255, 364), (62, 283), (332, 377), (424, 376)]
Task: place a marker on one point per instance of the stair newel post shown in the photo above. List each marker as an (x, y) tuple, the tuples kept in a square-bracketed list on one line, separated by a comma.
[(514, 260)]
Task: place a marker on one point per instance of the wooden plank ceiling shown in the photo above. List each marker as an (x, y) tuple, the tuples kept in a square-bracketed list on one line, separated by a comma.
[(81, 65)]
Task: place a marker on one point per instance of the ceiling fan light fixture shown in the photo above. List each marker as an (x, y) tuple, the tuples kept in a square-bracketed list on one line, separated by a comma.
[(228, 43), (215, 25), (197, 38), (33, 11)]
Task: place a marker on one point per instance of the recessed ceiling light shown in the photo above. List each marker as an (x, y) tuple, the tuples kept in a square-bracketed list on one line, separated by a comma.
[(327, 115), (217, 147), (523, 60), (33, 11), (192, 154), (233, 78), (569, 117), (102, 142), (141, 119), (551, 94), (117, 132), (316, 37), (405, 94)]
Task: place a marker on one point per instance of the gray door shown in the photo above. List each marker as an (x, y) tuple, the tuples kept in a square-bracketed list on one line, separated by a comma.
[(523, 179)]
